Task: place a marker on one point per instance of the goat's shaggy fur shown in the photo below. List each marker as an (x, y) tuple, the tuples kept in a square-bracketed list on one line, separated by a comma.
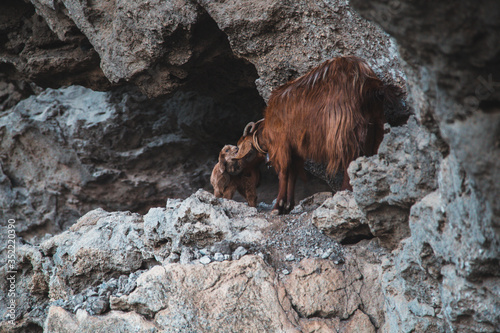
[(332, 115)]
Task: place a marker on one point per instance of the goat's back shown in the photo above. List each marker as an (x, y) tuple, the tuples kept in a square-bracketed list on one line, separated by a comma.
[(324, 115)]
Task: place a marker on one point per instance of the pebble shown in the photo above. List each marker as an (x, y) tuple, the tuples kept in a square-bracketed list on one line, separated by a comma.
[(285, 271), (239, 252), (186, 255), (172, 258), (290, 257), (327, 253), (218, 256), (205, 252), (205, 260), (222, 247)]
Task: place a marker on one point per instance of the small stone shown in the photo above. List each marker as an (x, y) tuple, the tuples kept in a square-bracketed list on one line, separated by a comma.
[(327, 253), (239, 252), (91, 293), (290, 257), (205, 252), (205, 260), (222, 247), (227, 257), (285, 272), (218, 256), (172, 258), (186, 256), (96, 305)]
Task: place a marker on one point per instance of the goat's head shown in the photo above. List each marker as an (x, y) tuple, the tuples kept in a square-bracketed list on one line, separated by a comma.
[(227, 153), (247, 154)]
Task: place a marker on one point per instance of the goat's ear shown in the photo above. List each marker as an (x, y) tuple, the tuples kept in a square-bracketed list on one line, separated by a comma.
[(221, 166), (245, 151)]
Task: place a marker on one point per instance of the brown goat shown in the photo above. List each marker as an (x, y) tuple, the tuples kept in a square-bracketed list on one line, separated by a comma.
[(332, 115), (230, 175)]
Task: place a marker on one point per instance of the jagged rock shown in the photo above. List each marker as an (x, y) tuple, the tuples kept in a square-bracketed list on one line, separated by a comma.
[(386, 185), (202, 220), (168, 45), (460, 265), (100, 245), (339, 217), (239, 252), (60, 320), (241, 295), (268, 32), (455, 234), (409, 289), (360, 323), (431, 196), (123, 58), (54, 54), (319, 288), (455, 90), (453, 213), (116, 150)]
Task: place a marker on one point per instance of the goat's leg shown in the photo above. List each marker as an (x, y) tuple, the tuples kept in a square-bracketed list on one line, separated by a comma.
[(279, 206), (290, 191), (251, 197), (229, 190), (248, 190), (297, 167)]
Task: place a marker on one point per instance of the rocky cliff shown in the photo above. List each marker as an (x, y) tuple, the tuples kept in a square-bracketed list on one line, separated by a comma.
[(112, 115)]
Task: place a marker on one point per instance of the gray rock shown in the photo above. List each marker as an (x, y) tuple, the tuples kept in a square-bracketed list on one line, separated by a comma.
[(205, 260), (239, 252), (205, 252), (202, 220), (93, 144), (386, 185), (186, 255), (218, 256), (340, 218), (453, 252), (173, 257), (96, 305), (223, 247)]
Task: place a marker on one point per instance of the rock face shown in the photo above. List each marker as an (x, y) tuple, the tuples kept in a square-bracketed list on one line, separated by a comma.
[(455, 239), (67, 151), (77, 280), (419, 233), (386, 185)]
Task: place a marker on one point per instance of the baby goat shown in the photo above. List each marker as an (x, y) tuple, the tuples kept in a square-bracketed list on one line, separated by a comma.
[(233, 174)]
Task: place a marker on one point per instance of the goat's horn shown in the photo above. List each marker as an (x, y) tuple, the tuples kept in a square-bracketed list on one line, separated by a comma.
[(249, 128)]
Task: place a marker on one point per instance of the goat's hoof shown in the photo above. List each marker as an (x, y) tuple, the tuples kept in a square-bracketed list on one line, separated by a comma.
[(275, 212)]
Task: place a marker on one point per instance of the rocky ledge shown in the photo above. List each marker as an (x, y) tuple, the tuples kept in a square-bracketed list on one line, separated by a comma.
[(125, 104), (337, 263)]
